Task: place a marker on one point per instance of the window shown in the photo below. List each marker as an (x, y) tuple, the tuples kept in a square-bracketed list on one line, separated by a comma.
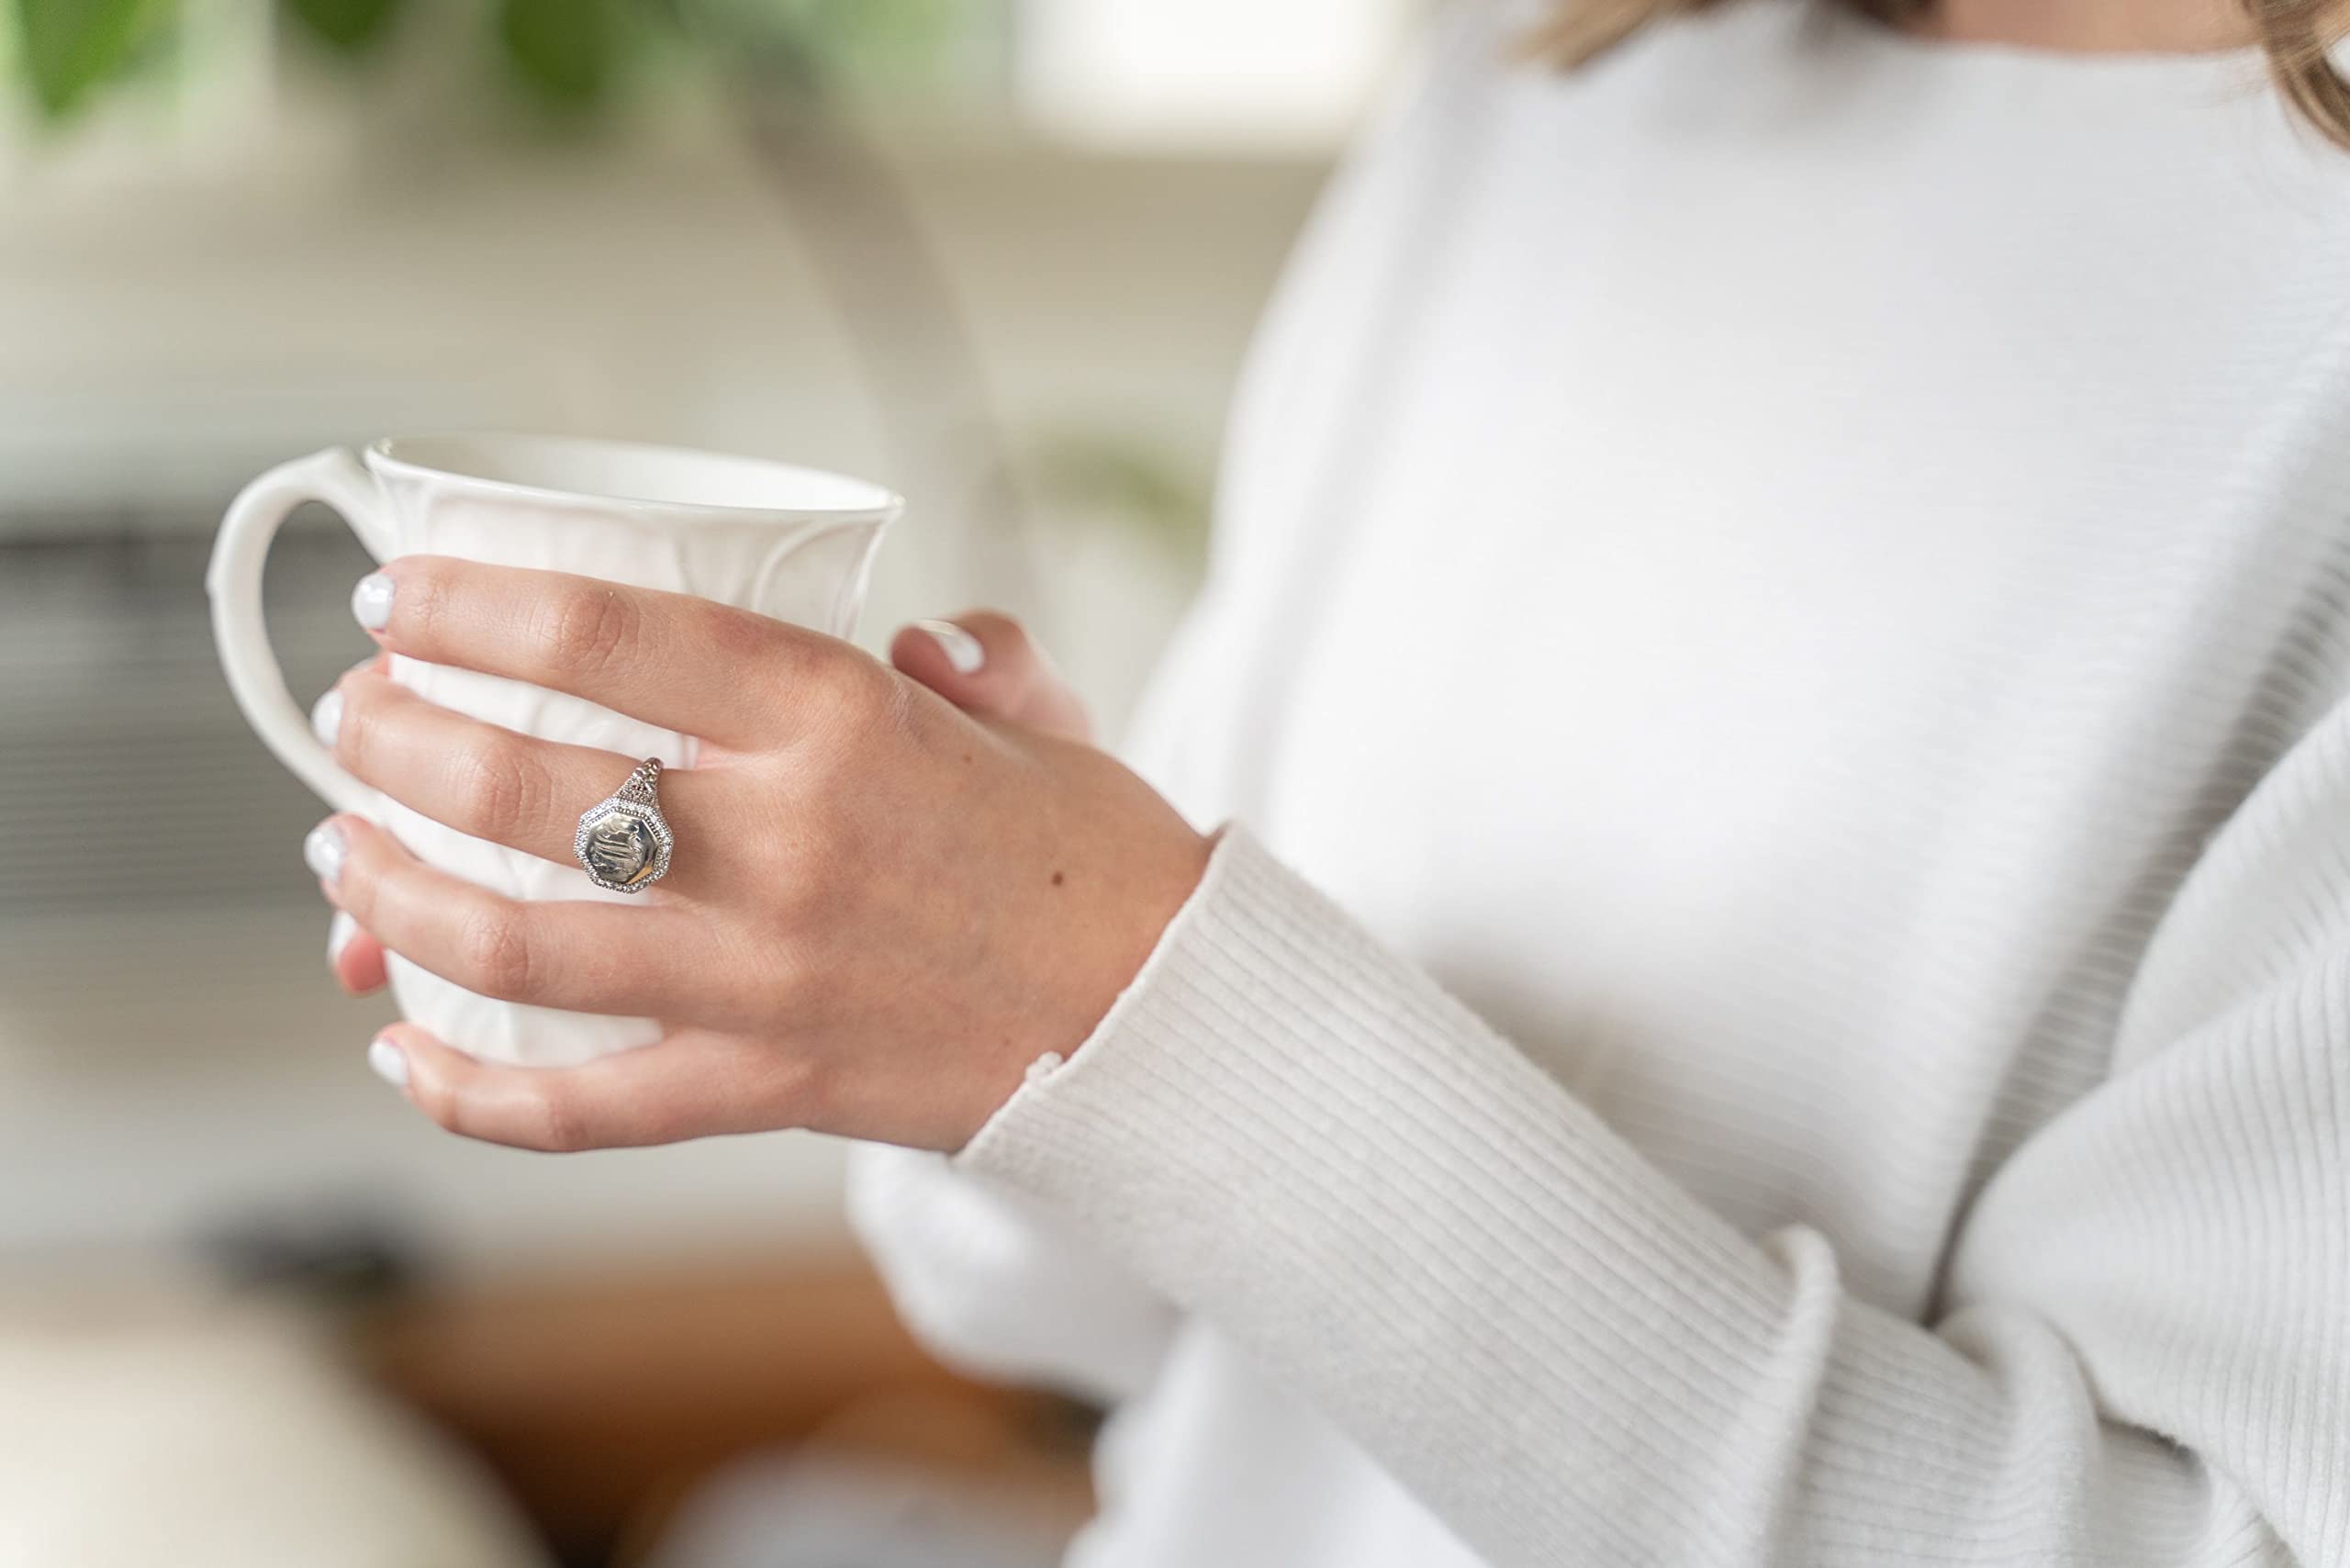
[(1211, 75)]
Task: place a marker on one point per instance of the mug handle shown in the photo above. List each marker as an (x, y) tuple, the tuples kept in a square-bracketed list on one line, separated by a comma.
[(233, 584)]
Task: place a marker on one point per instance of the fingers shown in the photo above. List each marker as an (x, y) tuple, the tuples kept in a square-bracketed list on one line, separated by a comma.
[(986, 664), (682, 663), (485, 779), (583, 957), (354, 957), (692, 1084)]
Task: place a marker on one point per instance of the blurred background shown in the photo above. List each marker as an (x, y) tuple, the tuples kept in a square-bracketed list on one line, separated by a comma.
[(1002, 255)]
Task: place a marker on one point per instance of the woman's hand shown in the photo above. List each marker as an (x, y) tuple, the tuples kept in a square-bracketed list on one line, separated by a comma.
[(883, 909)]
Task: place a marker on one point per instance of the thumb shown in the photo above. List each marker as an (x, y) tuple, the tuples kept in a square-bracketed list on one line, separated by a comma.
[(986, 665), (690, 1083)]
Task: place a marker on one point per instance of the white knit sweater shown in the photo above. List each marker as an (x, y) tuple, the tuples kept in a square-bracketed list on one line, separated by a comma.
[(1781, 637)]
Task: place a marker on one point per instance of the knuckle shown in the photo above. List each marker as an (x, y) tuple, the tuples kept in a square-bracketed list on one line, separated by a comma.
[(494, 951), (806, 988), (790, 984), (845, 700), (499, 789), (895, 711), (824, 855), (357, 890), (356, 732), (555, 1126), (423, 596), (735, 634), (442, 1103), (588, 628), (803, 1093), (845, 682), (796, 910)]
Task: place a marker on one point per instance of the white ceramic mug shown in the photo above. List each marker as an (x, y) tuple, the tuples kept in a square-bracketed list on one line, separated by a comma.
[(788, 542)]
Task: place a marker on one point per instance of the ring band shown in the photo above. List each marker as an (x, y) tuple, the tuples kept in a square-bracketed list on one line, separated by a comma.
[(623, 842)]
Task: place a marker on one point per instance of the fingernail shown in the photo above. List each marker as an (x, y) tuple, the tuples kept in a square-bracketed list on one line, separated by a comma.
[(371, 602), (388, 1062), (326, 716), (963, 651), (340, 931), (323, 850)]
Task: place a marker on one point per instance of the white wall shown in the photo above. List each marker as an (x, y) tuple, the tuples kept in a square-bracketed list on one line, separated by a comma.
[(166, 331)]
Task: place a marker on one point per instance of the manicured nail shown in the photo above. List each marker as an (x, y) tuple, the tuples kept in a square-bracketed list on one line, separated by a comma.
[(323, 851), (340, 931), (388, 1062), (371, 602), (326, 716), (963, 652)]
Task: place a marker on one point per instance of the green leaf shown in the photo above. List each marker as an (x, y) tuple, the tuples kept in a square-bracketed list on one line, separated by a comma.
[(71, 45), (348, 26), (565, 48)]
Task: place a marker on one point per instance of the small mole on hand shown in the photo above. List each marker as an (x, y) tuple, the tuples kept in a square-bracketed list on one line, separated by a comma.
[(966, 758), (1059, 879)]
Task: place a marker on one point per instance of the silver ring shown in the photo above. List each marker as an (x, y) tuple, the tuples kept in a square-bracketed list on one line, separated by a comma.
[(623, 842)]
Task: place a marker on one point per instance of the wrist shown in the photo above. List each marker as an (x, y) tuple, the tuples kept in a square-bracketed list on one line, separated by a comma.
[(1103, 946)]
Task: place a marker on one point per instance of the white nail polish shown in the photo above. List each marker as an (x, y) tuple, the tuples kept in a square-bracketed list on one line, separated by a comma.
[(340, 931), (371, 602), (326, 716), (323, 850), (963, 651), (388, 1062)]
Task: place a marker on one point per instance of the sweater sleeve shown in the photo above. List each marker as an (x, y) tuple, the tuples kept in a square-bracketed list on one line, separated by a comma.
[(987, 1277), (2142, 1361)]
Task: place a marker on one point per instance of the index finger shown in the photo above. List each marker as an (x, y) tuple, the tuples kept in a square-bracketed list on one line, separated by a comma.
[(674, 661)]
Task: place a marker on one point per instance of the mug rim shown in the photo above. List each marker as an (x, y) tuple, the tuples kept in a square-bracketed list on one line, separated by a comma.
[(384, 453)]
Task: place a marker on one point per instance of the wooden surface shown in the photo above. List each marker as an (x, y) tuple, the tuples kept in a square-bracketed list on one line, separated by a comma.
[(600, 1399)]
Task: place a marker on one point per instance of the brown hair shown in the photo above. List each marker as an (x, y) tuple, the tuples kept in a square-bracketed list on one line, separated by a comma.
[(2295, 34)]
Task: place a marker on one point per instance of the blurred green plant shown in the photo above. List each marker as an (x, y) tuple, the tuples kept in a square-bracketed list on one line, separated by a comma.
[(782, 64), (348, 26), (568, 53), (64, 47), (1117, 476)]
